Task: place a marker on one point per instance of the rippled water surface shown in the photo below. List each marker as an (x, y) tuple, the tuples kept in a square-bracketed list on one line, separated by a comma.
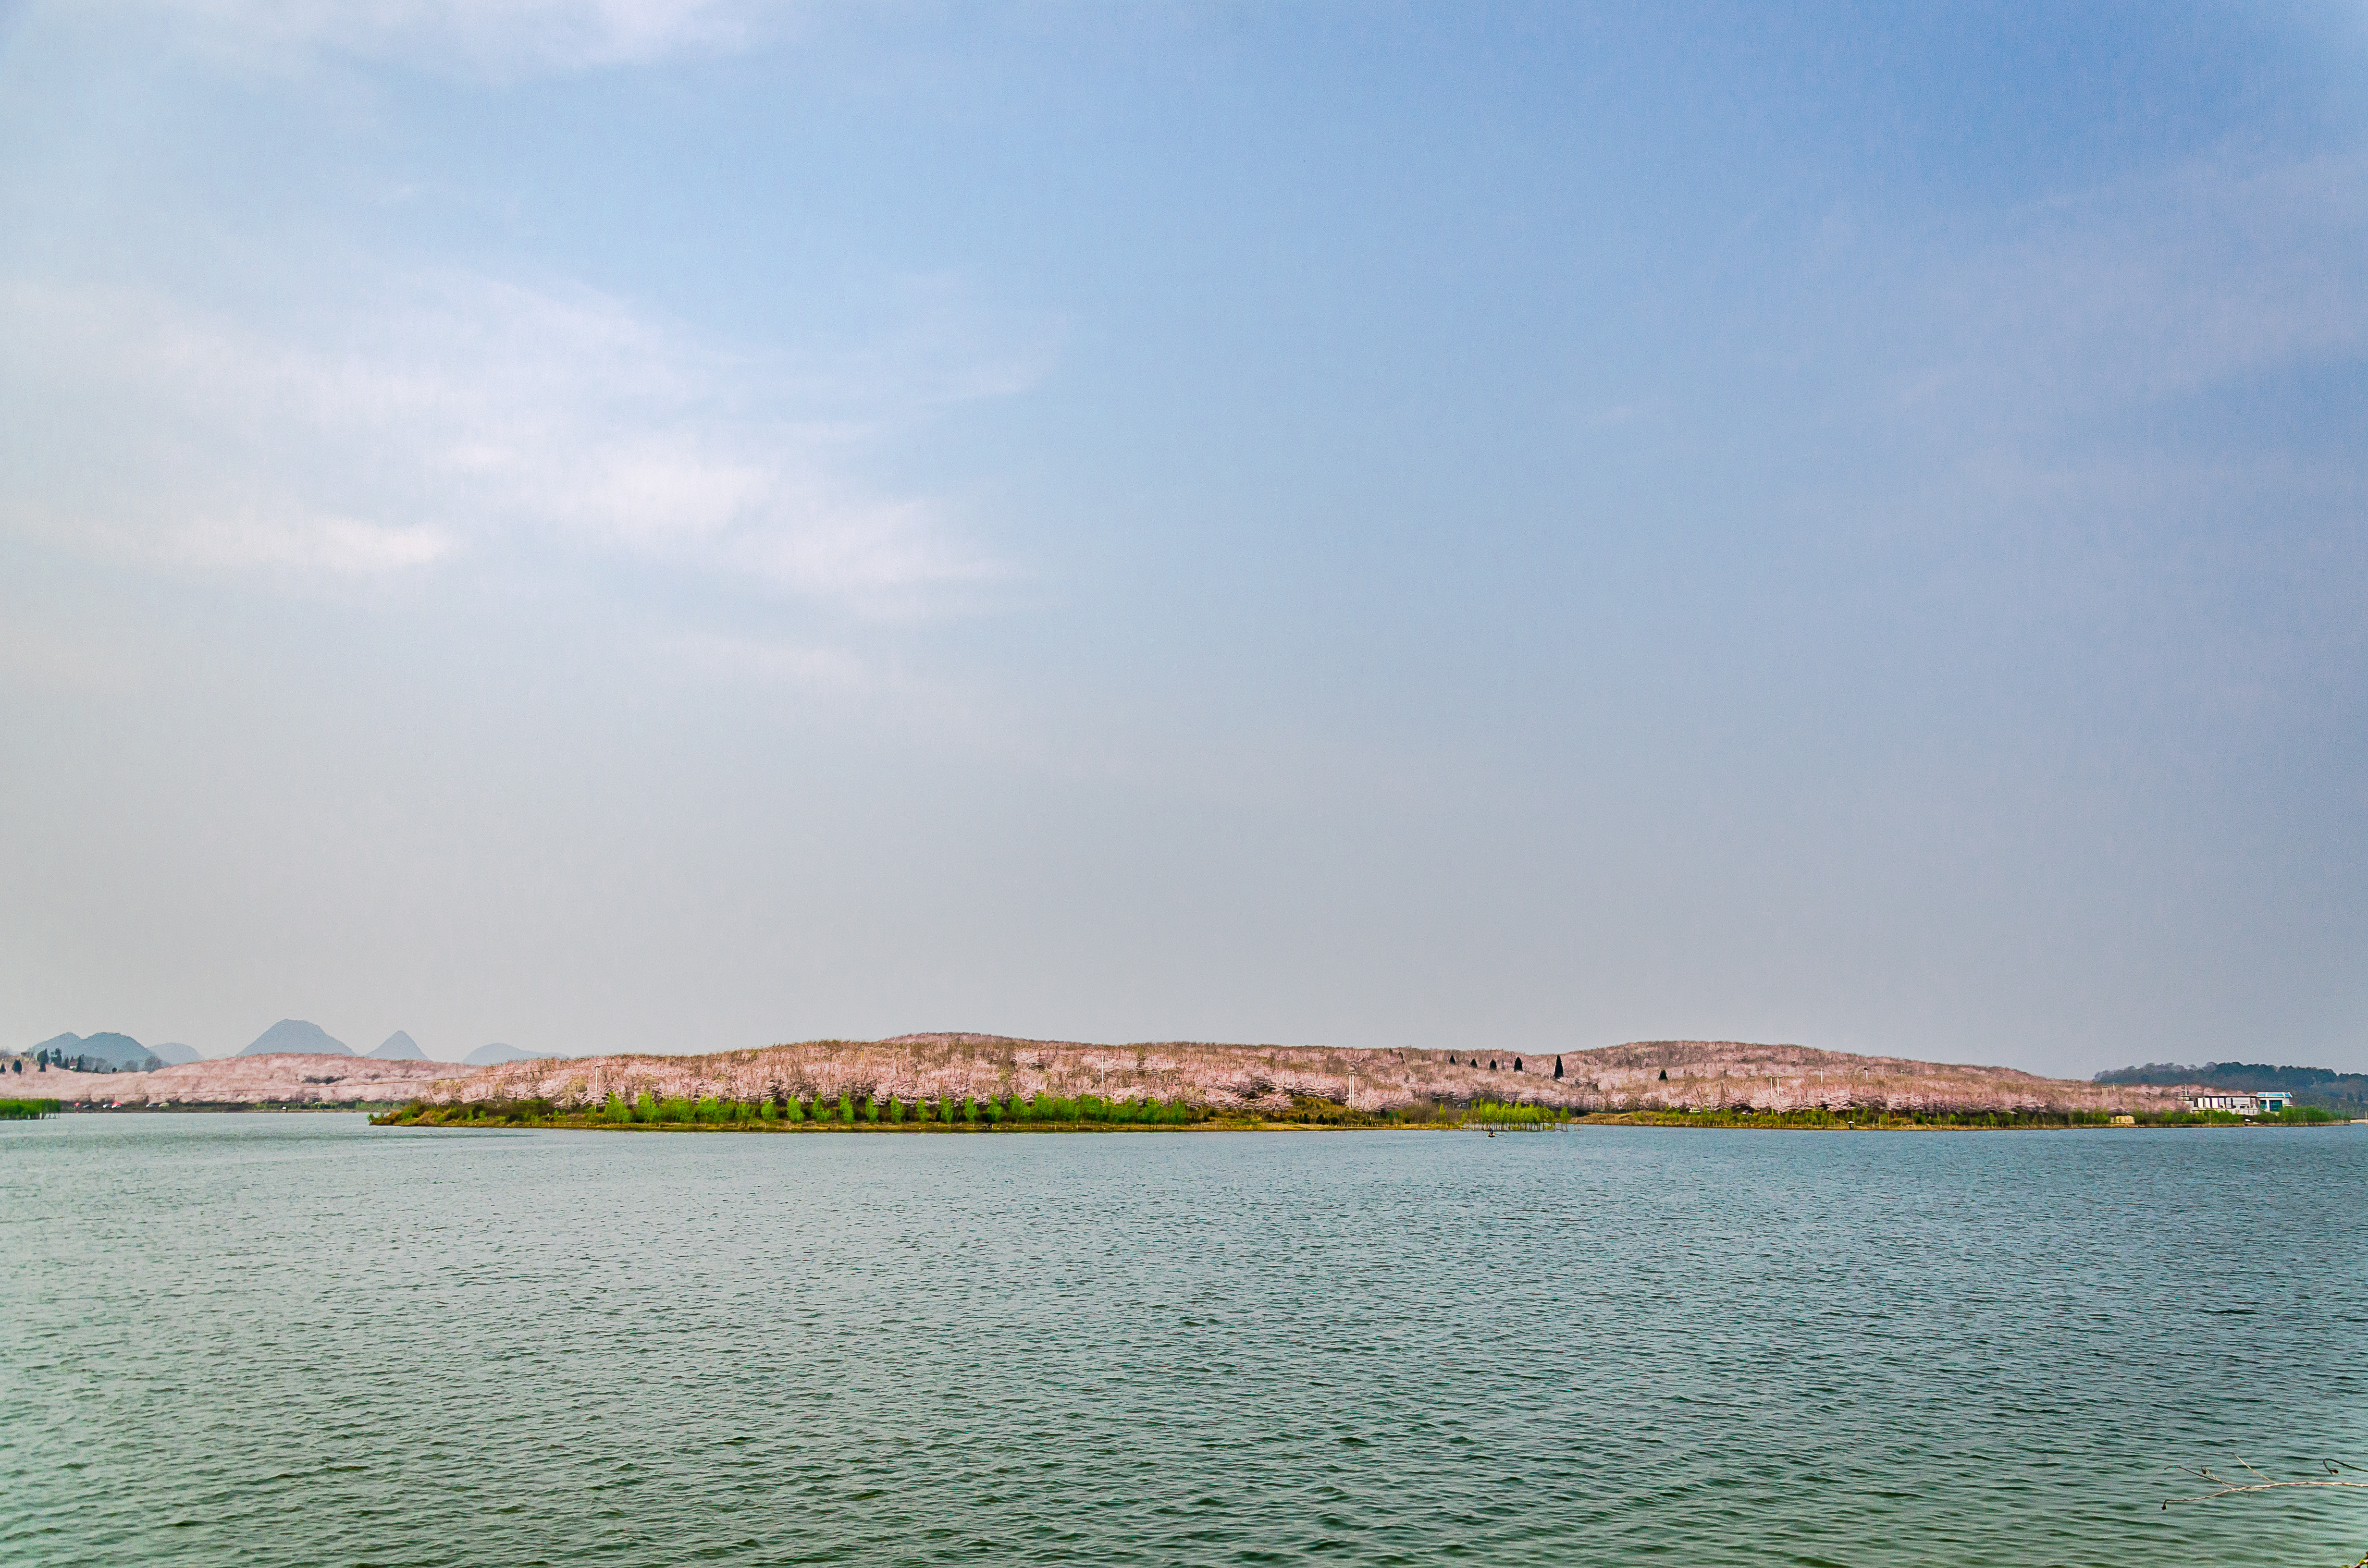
[(293, 1339)]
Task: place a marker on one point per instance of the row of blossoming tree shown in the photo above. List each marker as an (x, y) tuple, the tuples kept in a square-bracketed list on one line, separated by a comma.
[(851, 1109)]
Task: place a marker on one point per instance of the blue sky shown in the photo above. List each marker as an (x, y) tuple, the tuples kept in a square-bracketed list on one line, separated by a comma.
[(673, 525)]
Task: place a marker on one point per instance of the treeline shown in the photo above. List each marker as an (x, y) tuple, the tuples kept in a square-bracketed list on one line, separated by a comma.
[(789, 1110), (1082, 1113), (852, 1109), (1089, 1112), (27, 1110), (45, 1059)]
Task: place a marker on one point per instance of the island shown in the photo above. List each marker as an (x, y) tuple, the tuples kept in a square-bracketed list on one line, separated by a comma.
[(977, 1082)]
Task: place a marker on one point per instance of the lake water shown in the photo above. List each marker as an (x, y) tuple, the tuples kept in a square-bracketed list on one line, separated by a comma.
[(278, 1339)]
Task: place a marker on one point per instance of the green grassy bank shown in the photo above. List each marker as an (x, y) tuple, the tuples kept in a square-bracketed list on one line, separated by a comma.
[(848, 1113), (27, 1110), (1088, 1113)]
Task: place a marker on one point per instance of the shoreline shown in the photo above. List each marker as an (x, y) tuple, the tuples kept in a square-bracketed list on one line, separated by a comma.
[(709, 1116)]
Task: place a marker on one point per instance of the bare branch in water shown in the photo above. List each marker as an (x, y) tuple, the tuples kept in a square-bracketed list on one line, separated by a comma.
[(2335, 1470)]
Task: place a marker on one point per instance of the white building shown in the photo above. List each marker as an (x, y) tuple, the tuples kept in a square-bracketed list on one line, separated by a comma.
[(2267, 1101)]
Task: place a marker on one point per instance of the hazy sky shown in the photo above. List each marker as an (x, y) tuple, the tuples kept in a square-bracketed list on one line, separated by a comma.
[(678, 524)]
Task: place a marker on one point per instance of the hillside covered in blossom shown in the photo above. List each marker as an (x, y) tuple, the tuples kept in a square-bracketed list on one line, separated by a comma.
[(1645, 1075)]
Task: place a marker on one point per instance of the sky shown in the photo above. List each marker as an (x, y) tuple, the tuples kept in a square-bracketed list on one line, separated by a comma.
[(676, 525)]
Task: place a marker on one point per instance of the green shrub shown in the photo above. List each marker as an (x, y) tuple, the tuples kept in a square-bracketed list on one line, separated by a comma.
[(1513, 1115)]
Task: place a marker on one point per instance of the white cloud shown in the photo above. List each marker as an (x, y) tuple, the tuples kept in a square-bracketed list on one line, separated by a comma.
[(427, 418)]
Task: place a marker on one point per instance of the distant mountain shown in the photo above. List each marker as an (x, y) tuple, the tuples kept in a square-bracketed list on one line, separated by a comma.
[(398, 1047), (295, 1034), (173, 1053), (119, 1050), (494, 1055), (104, 1051), (2321, 1086)]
